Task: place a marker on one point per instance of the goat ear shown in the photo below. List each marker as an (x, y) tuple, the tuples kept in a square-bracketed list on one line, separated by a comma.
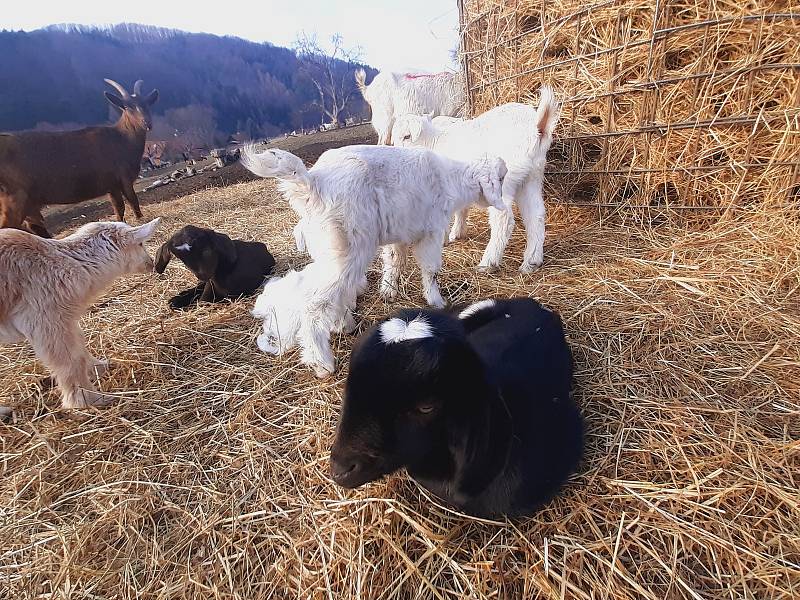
[(225, 246), (492, 182), (115, 100), (145, 232), (151, 98), (163, 257)]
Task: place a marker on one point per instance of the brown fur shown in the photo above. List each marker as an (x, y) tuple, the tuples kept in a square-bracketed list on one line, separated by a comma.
[(41, 168)]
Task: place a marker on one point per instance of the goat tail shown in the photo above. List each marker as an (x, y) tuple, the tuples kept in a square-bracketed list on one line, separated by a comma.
[(361, 82), (276, 163), (547, 113)]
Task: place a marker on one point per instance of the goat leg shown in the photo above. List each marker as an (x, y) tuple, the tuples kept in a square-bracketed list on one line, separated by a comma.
[(210, 294), (12, 213), (187, 297), (459, 228), (132, 198), (118, 204), (34, 223), (63, 351), (428, 252)]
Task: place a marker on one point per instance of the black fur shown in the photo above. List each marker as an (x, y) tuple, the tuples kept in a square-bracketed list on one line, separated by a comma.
[(480, 414), (226, 268)]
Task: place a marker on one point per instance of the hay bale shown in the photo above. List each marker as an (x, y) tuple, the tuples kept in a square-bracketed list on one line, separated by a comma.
[(676, 104)]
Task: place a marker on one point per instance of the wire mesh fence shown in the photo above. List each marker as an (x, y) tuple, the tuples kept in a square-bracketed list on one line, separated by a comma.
[(672, 104)]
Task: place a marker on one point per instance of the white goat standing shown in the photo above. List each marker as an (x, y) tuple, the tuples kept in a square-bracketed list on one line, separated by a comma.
[(390, 95), (46, 285), (518, 133), (358, 198)]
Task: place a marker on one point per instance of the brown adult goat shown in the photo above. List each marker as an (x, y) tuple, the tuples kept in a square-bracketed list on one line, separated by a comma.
[(41, 168)]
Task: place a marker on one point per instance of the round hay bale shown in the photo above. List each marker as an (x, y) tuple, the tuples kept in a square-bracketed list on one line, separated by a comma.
[(672, 104)]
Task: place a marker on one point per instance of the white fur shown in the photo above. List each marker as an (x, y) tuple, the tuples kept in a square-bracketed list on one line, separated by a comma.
[(185, 247), (283, 305), (358, 198), (49, 284), (392, 94), (443, 121), (397, 330), (518, 133), (476, 307)]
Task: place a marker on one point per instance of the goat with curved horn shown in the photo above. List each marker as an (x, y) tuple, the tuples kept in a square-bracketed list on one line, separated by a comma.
[(66, 167), (122, 91)]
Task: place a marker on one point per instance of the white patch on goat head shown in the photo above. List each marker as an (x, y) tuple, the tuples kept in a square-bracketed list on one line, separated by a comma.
[(474, 308), (397, 330), (186, 247)]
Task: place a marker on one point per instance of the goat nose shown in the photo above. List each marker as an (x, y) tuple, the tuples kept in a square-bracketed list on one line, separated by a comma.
[(342, 468)]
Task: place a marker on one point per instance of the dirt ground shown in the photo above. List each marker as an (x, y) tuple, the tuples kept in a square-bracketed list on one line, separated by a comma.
[(307, 147)]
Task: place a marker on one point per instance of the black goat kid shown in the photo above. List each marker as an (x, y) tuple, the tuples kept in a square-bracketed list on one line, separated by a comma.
[(226, 268), (476, 407)]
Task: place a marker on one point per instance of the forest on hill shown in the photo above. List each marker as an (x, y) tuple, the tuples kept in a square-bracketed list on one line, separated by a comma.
[(211, 88)]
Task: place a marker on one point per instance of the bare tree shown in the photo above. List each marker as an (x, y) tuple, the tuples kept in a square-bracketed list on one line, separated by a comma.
[(331, 72)]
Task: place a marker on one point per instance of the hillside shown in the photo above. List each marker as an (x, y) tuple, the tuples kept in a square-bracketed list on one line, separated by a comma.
[(210, 87)]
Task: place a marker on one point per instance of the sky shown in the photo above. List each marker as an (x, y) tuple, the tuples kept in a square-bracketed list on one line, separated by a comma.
[(396, 35)]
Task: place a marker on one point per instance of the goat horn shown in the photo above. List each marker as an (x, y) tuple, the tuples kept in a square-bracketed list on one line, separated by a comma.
[(137, 87), (123, 92)]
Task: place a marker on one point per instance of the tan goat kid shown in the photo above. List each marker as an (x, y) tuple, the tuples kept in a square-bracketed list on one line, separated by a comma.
[(46, 286)]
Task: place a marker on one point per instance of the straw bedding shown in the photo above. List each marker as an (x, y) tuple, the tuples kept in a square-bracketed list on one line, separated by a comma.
[(209, 478), (669, 104)]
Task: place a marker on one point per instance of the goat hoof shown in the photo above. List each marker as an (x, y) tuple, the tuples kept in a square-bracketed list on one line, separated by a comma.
[(265, 344), (488, 268), (5, 413), (101, 400), (454, 238), (322, 372), (437, 302), (86, 399), (528, 268)]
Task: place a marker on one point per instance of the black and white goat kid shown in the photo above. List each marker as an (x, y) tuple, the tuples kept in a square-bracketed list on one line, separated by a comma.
[(476, 406), (226, 268)]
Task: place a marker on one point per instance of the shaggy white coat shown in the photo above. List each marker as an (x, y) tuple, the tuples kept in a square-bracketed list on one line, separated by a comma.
[(283, 305), (518, 133), (390, 95), (46, 285), (359, 198)]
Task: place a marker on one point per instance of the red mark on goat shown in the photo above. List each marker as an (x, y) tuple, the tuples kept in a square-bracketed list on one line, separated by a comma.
[(420, 75)]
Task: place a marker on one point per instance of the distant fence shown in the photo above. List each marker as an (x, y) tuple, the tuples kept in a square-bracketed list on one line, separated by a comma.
[(670, 104)]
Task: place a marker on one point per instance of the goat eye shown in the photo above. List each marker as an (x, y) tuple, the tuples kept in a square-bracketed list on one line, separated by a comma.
[(426, 409), (406, 137)]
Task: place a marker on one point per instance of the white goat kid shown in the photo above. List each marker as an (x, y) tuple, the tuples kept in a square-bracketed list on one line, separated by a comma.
[(518, 133), (390, 95), (284, 303), (46, 285), (358, 198)]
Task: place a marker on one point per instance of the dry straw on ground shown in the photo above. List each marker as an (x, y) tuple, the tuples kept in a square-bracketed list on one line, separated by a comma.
[(669, 103), (209, 479)]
